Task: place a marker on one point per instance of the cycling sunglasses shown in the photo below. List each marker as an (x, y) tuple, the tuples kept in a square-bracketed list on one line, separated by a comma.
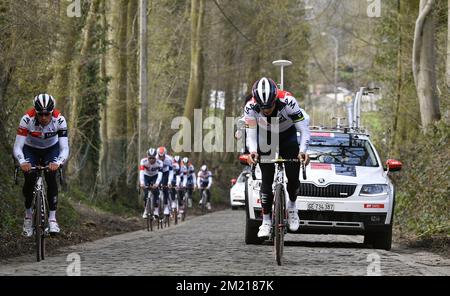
[(43, 114)]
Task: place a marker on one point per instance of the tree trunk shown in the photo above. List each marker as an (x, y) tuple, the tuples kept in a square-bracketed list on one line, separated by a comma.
[(103, 172), (132, 92), (84, 126), (143, 86), (424, 61), (116, 65), (65, 51), (448, 47), (195, 89)]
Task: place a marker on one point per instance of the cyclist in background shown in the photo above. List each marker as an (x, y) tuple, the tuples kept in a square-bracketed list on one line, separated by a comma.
[(176, 182), (150, 175), (204, 182), (189, 179), (167, 175)]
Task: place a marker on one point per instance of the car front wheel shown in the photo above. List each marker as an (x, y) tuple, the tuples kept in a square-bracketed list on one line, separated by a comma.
[(379, 239)]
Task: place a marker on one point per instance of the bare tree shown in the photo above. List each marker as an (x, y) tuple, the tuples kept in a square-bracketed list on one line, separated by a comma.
[(424, 60), (448, 47), (195, 89)]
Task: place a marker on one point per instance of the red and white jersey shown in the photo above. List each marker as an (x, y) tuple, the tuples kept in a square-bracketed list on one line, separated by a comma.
[(33, 134), (148, 169), (288, 113)]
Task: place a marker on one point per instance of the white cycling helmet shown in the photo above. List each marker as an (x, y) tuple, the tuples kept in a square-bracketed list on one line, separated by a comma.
[(185, 160), (265, 92), (151, 152), (44, 103)]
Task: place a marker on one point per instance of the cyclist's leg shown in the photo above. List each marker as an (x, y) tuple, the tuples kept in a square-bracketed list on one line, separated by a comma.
[(289, 150), (267, 172), (200, 193), (147, 182), (32, 157), (51, 154), (164, 182), (208, 195)]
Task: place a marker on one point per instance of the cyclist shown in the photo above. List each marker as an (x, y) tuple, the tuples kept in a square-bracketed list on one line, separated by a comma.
[(204, 182), (41, 140), (268, 104), (189, 179), (150, 175), (167, 175), (176, 182)]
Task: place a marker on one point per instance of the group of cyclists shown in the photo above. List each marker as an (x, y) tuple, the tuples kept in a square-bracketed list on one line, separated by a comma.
[(42, 139), (175, 176)]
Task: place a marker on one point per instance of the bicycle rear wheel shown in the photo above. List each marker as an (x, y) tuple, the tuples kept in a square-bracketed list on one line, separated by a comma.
[(280, 213)]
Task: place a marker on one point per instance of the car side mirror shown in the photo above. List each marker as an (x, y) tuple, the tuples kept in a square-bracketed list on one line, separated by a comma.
[(233, 181), (243, 159), (393, 165)]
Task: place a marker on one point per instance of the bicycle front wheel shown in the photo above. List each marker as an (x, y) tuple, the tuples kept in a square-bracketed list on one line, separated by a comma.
[(279, 223), (39, 227)]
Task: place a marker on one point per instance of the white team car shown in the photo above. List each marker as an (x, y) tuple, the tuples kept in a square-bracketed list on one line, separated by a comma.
[(347, 190), (237, 191)]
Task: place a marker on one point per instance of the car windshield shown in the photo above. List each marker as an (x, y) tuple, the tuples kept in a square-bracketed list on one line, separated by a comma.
[(345, 149), (241, 178)]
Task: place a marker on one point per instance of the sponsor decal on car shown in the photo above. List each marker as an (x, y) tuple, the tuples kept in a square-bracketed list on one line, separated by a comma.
[(321, 166), (374, 206)]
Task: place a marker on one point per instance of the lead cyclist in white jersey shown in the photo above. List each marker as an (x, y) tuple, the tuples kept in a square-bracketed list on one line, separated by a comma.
[(41, 140), (270, 104)]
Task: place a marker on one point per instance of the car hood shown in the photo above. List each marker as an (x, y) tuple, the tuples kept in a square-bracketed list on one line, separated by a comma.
[(323, 174)]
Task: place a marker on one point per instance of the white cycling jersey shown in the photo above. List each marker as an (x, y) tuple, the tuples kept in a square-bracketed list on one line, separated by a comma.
[(288, 113), (189, 175), (33, 134), (167, 166), (148, 169), (204, 178)]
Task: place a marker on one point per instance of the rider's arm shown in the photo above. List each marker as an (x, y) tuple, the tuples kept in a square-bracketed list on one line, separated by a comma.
[(303, 128), (21, 136), (63, 141), (301, 121), (170, 175), (209, 181), (193, 179), (198, 180), (250, 127), (177, 180), (184, 180), (141, 173), (159, 178)]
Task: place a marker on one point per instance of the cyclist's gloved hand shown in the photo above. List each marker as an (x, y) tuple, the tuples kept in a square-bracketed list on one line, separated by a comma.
[(53, 167), (304, 156), (26, 167), (252, 158)]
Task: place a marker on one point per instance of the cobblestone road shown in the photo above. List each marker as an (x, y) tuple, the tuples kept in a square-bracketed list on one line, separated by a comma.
[(213, 245)]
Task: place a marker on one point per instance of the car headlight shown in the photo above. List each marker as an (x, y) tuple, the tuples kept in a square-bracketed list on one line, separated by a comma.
[(374, 189)]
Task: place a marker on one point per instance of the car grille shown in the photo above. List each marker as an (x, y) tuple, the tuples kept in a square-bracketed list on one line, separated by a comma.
[(333, 190)]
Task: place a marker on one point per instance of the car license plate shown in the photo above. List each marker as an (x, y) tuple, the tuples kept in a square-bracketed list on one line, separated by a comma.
[(320, 206)]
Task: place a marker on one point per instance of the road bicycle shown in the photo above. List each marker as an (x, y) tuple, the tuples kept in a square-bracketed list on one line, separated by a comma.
[(279, 211), (39, 208)]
